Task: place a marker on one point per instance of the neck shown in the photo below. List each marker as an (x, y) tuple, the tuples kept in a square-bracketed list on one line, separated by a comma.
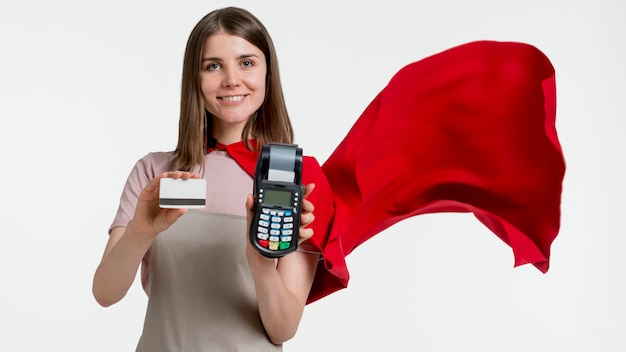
[(227, 136), (227, 133)]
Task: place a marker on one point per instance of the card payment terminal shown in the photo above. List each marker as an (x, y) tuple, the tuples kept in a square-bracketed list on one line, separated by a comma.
[(278, 193)]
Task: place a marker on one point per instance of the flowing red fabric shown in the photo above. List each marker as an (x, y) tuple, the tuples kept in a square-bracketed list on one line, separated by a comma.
[(470, 129)]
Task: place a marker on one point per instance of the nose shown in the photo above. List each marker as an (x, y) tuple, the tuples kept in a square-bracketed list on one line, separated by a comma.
[(231, 77)]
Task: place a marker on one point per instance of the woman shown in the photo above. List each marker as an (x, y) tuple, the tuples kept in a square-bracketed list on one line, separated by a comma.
[(208, 288)]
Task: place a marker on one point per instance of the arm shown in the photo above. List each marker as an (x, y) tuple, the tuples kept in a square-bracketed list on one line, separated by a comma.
[(127, 246), (282, 289)]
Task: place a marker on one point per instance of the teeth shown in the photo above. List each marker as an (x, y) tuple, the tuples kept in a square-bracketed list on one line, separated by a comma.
[(233, 98)]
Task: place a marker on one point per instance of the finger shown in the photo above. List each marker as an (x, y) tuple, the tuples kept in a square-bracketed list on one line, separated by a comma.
[(188, 175), (306, 214), (179, 174), (306, 219), (308, 189), (305, 234), (307, 206)]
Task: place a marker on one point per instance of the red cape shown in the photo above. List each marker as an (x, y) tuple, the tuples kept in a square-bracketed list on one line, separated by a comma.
[(470, 129)]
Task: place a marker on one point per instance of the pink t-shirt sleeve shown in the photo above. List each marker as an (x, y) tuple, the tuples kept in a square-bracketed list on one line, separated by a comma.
[(144, 170)]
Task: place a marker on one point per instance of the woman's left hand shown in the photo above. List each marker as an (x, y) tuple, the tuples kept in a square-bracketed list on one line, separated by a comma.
[(306, 215)]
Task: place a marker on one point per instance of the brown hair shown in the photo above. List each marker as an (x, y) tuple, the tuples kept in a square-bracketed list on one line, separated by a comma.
[(271, 122)]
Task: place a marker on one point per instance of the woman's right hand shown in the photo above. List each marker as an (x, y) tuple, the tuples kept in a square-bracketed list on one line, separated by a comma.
[(150, 219), (127, 246)]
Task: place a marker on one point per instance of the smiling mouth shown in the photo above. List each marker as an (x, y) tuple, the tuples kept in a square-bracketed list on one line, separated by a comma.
[(232, 97)]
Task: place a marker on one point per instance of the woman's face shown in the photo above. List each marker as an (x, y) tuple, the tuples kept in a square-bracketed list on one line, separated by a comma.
[(232, 80)]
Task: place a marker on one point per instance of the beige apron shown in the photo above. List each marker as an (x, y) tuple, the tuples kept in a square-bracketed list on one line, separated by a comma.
[(202, 295)]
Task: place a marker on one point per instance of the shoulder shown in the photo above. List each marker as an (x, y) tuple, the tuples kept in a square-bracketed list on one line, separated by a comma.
[(158, 158), (155, 163)]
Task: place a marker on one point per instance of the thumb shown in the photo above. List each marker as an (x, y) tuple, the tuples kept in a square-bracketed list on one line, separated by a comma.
[(171, 215), (249, 208), (250, 203)]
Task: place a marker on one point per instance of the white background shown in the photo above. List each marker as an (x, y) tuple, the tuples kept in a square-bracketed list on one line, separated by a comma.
[(88, 87)]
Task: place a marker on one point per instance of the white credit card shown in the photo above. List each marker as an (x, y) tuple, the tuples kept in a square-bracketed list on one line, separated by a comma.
[(179, 193)]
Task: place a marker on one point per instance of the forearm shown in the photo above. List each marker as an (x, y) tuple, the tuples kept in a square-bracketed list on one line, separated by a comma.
[(281, 293), (119, 266)]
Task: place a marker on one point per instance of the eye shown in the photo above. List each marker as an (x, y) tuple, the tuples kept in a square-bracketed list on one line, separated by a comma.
[(213, 66), (247, 63)]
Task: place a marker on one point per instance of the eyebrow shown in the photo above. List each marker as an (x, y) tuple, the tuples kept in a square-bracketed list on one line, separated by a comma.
[(244, 56)]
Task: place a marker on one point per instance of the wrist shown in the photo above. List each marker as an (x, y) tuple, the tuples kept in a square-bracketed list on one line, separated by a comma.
[(258, 261), (140, 232)]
